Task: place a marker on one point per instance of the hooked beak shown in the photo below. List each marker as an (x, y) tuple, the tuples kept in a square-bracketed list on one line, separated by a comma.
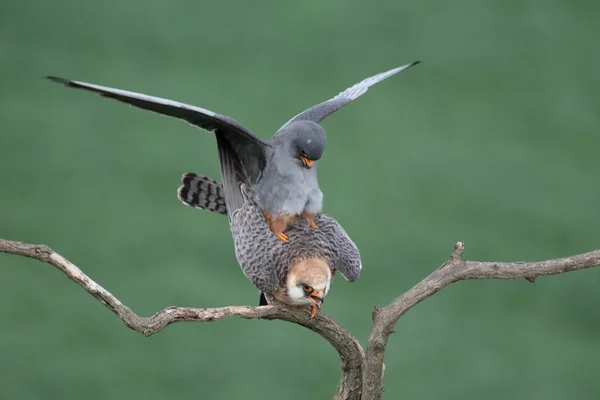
[(307, 163), (316, 298)]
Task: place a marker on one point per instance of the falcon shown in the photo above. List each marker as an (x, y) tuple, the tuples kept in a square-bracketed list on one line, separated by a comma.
[(298, 273), (280, 171)]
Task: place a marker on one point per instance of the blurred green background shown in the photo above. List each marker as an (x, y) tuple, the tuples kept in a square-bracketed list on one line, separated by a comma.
[(493, 140)]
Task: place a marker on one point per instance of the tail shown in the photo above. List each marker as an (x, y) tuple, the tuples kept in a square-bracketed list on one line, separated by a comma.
[(263, 300), (202, 192)]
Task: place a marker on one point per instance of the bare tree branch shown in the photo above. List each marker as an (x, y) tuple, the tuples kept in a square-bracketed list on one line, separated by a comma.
[(362, 374), (347, 346), (453, 270)]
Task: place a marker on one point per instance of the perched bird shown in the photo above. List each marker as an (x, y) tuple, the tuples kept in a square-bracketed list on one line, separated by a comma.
[(280, 171), (297, 273)]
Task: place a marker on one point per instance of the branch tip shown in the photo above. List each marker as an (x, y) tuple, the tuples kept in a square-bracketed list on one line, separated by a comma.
[(459, 247), (459, 269), (375, 313)]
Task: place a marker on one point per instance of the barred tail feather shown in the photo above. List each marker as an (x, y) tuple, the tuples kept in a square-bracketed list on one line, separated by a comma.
[(202, 192)]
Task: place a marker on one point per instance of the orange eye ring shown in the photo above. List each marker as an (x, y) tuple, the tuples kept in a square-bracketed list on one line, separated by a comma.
[(302, 153), (307, 289)]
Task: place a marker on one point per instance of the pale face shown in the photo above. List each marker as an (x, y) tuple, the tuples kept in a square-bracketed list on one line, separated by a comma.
[(299, 294), (308, 282)]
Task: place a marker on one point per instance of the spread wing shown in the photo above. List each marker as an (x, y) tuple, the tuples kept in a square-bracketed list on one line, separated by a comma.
[(241, 152), (319, 112)]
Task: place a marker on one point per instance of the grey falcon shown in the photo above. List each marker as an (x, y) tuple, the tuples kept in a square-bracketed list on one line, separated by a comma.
[(297, 273), (280, 171)]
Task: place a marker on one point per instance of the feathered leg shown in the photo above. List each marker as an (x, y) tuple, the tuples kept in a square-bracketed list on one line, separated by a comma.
[(278, 224), (310, 218)]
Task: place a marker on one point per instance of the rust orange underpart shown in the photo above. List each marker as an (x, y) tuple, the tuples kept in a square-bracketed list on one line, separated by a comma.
[(278, 224)]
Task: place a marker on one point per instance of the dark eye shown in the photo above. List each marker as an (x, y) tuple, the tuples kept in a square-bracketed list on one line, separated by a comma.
[(302, 153), (307, 288)]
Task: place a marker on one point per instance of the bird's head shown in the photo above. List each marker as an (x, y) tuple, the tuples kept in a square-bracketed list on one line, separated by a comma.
[(304, 141), (308, 283)]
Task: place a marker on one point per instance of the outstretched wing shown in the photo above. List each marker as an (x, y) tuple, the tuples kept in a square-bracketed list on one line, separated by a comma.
[(243, 156), (319, 112)]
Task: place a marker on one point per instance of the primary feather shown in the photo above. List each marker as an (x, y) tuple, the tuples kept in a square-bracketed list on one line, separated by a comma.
[(269, 167)]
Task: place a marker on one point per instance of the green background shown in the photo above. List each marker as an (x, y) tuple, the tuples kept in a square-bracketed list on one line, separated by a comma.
[(493, 140)]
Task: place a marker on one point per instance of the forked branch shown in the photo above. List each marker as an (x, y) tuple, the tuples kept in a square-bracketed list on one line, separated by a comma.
[(362, 374), (350, 351), (453, 270)]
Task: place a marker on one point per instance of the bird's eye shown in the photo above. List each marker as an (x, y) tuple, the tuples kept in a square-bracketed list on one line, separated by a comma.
[(307, 288), (302, 153)]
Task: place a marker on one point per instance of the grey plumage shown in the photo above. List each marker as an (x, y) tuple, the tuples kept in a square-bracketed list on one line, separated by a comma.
[(273, 168), (265, 259), (285, 186), (319, 112)]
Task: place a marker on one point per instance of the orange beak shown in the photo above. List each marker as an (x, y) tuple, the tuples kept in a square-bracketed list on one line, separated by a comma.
[(316, 298), (307, 163)]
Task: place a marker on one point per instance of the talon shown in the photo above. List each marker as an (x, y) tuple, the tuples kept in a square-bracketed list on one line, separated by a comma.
[(282, 236), (311, 222), (313, 311)]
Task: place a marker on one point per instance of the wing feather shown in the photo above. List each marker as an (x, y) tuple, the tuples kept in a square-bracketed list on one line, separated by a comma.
[(319, 112), (242, 153)]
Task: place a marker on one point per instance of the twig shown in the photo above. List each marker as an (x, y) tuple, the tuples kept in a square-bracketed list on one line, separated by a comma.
[(362, 374), (453, 270)]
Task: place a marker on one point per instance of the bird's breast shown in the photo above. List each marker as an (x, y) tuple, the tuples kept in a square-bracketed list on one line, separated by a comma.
[(289, 191)]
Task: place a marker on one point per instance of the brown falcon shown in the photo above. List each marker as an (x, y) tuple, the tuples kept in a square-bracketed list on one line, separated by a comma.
[(298, 273)]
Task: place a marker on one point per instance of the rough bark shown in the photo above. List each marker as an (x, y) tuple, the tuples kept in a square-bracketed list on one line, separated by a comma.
[(453, 270), (362, 372)]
